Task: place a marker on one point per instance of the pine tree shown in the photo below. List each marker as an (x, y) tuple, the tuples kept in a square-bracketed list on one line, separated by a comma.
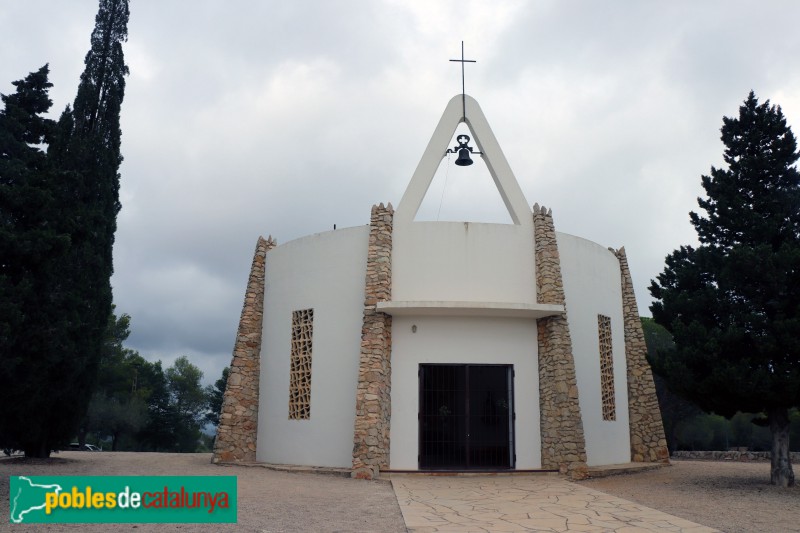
[(215, 394), (732, 304)]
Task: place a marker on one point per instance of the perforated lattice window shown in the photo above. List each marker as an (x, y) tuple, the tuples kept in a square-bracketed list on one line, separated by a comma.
[(300, 371), (606, 368)]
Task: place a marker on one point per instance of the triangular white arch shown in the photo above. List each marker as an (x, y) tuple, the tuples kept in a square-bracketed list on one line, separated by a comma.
[(484, 138)]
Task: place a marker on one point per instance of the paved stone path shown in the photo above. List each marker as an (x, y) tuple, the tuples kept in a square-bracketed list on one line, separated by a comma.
[(523, 503)]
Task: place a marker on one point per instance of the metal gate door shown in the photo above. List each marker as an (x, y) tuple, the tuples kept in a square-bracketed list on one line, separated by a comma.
[(466, 417)]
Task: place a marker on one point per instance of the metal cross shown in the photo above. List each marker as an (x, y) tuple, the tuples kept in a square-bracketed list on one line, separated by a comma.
[(463, 92)]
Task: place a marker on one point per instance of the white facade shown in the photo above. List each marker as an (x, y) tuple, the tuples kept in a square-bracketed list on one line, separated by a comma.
[(463, 261), (463, 340), (325, 272)]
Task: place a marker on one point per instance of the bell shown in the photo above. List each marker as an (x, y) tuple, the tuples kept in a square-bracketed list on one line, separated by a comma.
[(463, 158)]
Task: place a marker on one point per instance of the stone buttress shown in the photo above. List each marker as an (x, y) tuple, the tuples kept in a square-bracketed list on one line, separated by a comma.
[(238, 421), (373, 395), (648, 443), (563, 441)]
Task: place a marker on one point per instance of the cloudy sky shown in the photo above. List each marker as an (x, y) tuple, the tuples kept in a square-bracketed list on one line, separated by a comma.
[(244, 118)]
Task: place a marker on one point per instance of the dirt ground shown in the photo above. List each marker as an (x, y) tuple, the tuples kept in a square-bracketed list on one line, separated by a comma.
[(732, 497), (269, 501), (729, 496)]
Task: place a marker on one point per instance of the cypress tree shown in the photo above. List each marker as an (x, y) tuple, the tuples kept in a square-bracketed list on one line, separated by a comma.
[(22, 199), (29, 241), (58, 341), (86, 151), (732, 304)]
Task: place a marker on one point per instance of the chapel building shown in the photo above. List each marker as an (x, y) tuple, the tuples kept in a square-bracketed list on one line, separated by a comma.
[(405, 345)]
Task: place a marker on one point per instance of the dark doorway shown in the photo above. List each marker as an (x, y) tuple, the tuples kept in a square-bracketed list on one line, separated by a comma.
[(466, 417)]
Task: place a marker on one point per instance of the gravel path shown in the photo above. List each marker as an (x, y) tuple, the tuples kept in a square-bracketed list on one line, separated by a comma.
[(732, 497)]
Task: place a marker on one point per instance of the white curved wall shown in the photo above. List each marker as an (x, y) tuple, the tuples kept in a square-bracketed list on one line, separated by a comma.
[(592, 286), (463, 261), (326, 272), (431, 261)]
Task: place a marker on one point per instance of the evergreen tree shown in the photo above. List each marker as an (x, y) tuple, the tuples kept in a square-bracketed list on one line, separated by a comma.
[(215, 394), (86, 152), (674, 409), (189, 403), (733, 303), (118, 407), (22, 200), (31, 240), (52, 334), (176, 406), (156, 435)]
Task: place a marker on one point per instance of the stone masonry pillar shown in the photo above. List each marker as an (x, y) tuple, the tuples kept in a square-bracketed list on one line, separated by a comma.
[(648, 443), (373, 395), (238, 421), (563, 441)]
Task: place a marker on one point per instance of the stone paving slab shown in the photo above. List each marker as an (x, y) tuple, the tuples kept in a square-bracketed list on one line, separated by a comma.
[(544, 503)]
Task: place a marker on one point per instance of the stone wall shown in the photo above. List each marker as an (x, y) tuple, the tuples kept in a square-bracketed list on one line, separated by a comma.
[(648, 443), (563, 441), (731, 455), (238, 422), (373, 396)]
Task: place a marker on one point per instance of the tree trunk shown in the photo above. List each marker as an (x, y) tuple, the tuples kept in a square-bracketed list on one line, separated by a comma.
[(781, 473), (40, 450), (672, 442)]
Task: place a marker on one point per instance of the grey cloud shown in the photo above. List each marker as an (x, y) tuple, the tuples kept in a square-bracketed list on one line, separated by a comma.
[(253, 118)]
